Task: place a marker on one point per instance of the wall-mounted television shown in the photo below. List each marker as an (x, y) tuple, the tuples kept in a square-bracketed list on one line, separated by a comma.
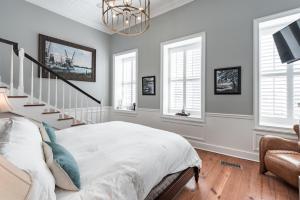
[(287, 42)]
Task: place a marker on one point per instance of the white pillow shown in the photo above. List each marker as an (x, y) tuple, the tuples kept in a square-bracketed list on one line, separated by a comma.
[(24, 150)]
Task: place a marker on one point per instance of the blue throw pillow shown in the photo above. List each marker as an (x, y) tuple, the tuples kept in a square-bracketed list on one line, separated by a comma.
[(50, 131), (63, 166)]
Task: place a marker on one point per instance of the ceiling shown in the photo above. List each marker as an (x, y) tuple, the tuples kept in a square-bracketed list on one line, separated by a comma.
[(88, 12)]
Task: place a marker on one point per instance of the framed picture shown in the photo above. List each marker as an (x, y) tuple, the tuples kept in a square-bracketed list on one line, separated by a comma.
[(228, 81), (148, 85), (71, 61)]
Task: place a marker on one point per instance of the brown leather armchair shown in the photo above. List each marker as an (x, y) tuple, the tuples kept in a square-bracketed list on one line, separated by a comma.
[(281, 157)]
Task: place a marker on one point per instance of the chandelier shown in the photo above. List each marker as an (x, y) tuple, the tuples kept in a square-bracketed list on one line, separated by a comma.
[(126, 17)]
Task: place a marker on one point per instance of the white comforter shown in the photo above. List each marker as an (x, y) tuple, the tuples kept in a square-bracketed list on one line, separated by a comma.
[(123, 161)]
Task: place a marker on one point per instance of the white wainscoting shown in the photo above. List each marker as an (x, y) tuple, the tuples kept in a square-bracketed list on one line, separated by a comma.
[(227, 134)]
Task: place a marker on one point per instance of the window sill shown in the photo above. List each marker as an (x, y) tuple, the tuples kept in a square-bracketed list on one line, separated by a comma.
[(272, 129), (130, 113), (190, 120)]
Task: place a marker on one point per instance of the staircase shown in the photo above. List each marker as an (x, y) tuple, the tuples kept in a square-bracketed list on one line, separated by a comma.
[(54, 99)]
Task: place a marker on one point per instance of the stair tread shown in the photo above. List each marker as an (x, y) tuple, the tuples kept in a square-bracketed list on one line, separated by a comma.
[(35, 104), (78, 124), (50, 112), (16, 96), (66, 117), (3, 87)]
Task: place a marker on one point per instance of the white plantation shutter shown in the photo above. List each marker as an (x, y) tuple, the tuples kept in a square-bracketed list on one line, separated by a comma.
[(193, 80), (279, 86), (125, 81), (185, 79), (176, 81)]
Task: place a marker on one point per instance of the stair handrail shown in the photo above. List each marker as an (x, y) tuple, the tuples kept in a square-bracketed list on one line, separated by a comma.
[(40, 65)]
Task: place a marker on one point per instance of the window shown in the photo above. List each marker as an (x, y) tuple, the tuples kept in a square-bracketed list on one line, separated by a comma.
[(183, 76), (278, 85), (125, 80)]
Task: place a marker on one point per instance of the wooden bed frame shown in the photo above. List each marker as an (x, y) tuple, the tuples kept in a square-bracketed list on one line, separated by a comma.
[(172, 190)]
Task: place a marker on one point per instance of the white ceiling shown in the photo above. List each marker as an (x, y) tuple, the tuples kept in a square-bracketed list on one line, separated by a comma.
[(88, 12)]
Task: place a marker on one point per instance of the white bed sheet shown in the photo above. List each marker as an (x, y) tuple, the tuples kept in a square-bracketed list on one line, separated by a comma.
[(123, 161)]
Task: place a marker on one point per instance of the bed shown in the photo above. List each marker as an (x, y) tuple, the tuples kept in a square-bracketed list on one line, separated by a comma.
[(120, 160)]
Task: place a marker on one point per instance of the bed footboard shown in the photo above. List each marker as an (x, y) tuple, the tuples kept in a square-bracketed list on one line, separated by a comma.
[(179, 183)]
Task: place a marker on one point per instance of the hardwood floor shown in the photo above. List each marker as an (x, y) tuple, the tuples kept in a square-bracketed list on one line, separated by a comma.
[(231, 183)]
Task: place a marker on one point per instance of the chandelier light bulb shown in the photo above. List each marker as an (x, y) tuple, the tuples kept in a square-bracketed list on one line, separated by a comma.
[(139, 18), (127, 2), (111, 3), (141, 8)]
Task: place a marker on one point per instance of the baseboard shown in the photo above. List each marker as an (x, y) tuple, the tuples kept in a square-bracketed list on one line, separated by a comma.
[(246, 155)]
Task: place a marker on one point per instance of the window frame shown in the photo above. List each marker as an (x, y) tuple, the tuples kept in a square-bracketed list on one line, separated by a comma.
[(169, 117), (256, 75), (134, 112)]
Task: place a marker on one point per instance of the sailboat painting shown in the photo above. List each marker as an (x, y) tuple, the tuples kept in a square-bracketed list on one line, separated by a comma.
[(71, 61)]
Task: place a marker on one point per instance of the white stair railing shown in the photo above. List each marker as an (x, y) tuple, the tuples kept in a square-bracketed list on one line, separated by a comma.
[(83, 110)]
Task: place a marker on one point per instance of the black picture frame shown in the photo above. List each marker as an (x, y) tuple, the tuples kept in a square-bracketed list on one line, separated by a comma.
[(227, 81), (148, 85), (86, 72)]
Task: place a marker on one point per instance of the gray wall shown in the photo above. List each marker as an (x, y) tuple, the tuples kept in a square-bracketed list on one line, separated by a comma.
[(22, 22), (228, 25)]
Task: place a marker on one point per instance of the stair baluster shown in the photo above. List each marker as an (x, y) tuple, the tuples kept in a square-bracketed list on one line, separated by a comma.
[(70, 101), (87, 111), (21, 72), (75, 111), (31, 89), (100, 114), (92, 110), (49, 87), (55, 107), (81, 108), (96, 113), (41, 86), (11, 91), (63, 100)]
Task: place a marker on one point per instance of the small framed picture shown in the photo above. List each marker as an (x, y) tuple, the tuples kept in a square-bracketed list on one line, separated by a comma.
[(228, 81), (148, 85)]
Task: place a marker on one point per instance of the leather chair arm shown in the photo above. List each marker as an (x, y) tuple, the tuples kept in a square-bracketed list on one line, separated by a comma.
[(275, 143)]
